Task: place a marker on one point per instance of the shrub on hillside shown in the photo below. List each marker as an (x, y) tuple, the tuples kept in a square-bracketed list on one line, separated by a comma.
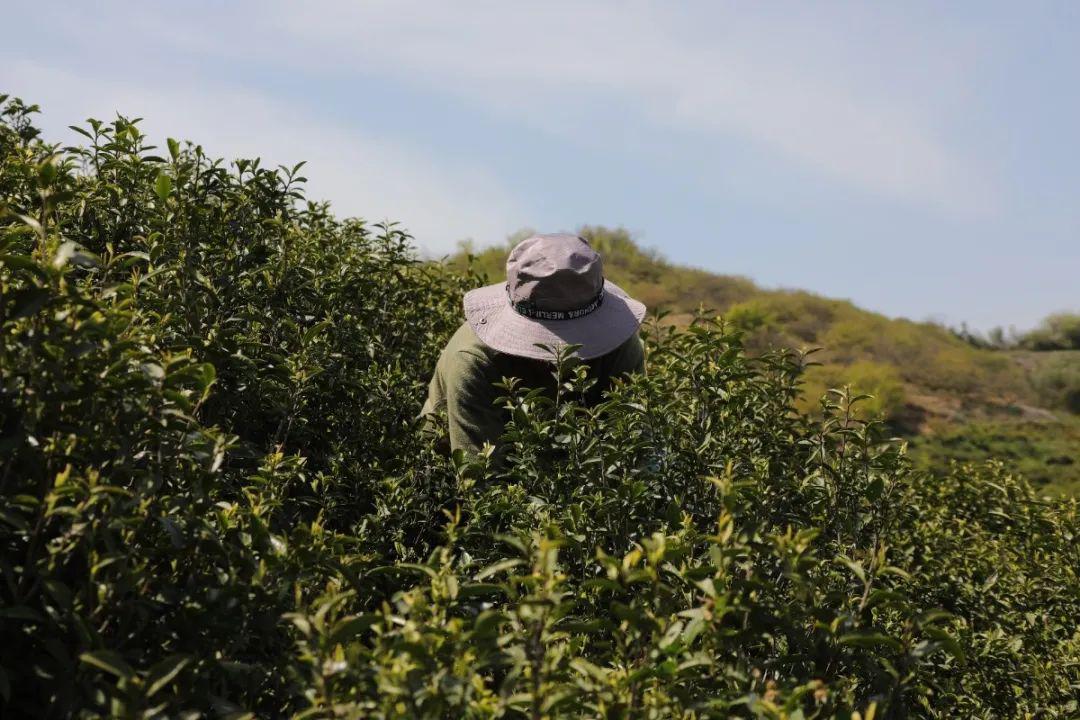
[(1057, 380), (882, 383), (1044, 452), (1056, 332), (214, 500), (752, 316)]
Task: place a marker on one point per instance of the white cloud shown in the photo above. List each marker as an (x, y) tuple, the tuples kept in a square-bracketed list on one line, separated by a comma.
[(371, 177), (786, 87), (854, 97)]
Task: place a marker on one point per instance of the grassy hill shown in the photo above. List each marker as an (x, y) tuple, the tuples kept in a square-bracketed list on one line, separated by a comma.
[(953, 396)]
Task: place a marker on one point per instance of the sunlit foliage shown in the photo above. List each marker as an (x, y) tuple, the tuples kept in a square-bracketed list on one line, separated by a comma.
[(215, 500)]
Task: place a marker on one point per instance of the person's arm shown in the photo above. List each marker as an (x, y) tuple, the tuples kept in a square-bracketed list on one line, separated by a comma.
[(434, 408), (473, 417)]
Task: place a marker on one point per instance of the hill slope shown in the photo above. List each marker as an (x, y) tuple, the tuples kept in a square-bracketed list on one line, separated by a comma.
[(952, 398)]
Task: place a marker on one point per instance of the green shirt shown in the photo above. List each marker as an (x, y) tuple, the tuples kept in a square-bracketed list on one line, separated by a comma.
[(463, 384)]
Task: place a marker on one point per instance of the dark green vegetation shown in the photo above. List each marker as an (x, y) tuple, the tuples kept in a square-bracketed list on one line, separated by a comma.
[(927, 380), (1049, 458), (1057, 332), (1060, 331), (214, 500)]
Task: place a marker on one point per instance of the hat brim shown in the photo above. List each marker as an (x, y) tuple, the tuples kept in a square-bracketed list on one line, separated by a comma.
[(500, 327)]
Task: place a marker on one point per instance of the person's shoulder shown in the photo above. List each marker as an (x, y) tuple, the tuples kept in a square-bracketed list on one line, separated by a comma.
[(466, 351)]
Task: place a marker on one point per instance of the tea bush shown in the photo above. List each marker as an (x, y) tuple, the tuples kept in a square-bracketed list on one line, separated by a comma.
[(215, 499), (882, 382)]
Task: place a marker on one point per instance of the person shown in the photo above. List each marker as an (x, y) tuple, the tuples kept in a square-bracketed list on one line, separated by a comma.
[(555, 295)]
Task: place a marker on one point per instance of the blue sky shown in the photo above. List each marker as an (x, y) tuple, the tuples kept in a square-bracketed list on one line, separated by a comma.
[(921, 159)]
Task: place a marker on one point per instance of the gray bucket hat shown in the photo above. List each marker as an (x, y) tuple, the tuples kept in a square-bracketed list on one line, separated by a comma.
[(555, 294)]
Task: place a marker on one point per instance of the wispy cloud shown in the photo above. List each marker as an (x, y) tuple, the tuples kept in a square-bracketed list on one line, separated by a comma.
[(782, 83), (859, 99), (372, 177), (809, 88)]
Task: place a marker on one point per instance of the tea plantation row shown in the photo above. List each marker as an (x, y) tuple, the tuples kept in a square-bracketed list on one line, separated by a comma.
[(215, 500)]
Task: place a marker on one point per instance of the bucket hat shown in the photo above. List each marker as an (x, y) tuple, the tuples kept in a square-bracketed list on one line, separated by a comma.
[(555, 294)]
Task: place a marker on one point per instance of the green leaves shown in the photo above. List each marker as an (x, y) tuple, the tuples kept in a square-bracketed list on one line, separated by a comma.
[(163, 186), (871, 640), (47, 172), (70, 253), (162, 674), (109, 661), (501, 566), (210, 464)]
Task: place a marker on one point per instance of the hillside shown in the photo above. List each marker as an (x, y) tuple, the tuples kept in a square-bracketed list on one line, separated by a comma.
[(949, 396)]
